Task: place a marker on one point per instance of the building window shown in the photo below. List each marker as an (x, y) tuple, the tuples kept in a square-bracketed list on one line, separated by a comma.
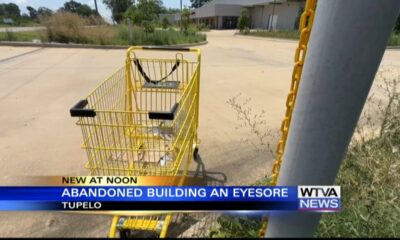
[(229, 22)]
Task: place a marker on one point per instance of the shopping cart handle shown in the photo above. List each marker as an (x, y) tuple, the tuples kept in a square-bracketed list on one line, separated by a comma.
[(164, 115), (78, 110), (183, 49)]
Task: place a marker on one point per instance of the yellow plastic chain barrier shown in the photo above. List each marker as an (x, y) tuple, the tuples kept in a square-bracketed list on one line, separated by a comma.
[(306, 22)]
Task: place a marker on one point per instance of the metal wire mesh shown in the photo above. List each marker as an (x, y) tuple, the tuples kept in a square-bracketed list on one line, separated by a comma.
[(122, 140)]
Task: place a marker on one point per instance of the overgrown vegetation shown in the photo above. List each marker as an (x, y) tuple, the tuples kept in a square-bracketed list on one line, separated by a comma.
[(260, 136), (159, 37), (75, 22), (370, 173), (369, 176), (65, 27), (394, 39)]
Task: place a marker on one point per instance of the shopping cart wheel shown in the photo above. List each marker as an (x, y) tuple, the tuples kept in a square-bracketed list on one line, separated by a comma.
[(125, 233), (196, 155)]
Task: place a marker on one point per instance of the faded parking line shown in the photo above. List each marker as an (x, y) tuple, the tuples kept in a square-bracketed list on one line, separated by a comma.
[(19, 55)]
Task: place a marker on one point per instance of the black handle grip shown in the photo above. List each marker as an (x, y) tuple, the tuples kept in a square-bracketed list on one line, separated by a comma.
[(78, 110), (164, 115), (166, 48)]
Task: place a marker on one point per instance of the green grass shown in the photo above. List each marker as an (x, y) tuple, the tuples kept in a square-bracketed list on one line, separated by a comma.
[(22, 23), (234, 226), (394, 39), (370, 183), (273, 34), (20, 36)]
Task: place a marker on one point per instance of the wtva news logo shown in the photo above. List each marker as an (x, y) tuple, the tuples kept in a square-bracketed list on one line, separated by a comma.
[(319, 198)]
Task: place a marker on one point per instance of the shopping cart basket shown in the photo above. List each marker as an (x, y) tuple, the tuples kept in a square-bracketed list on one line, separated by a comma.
[(143, 120)]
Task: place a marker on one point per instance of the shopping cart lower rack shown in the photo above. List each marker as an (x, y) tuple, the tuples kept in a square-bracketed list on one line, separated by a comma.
[(143, 120)]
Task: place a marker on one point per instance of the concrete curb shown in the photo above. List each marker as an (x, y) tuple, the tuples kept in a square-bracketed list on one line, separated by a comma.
[(290, 40), (93, 46), (264, 38), (393, 47)]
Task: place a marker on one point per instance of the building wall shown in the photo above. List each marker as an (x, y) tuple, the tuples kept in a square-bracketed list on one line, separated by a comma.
[(207, 10), (227, 10), (287, 15), (259, 16)]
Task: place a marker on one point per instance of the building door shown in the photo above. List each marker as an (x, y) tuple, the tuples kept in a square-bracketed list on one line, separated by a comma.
[(229, 22)]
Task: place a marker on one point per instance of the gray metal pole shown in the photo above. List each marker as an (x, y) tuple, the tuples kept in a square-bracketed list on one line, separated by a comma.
[(347, 43), (181, 17), (197, 12), (95, 5)]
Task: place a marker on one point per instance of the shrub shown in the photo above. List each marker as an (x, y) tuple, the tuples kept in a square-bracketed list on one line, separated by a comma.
[(165, 23), (202, 27), (148, 27), (64, 27), (185, 21), (95, 20), (244, 19)]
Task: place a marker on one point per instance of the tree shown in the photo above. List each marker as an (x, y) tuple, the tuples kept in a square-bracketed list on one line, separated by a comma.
[(144, 11), (78, 8), (185, 21), (25, 16), (33, 13), (118, 8), (198, 3), (85, 10), (244, 20), (44, 11), (10, 10)]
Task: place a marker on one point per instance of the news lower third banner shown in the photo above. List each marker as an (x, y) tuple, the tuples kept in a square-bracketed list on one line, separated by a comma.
[(152, 194)]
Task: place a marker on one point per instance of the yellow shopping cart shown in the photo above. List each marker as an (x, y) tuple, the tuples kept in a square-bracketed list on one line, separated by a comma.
[(143, 120)]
